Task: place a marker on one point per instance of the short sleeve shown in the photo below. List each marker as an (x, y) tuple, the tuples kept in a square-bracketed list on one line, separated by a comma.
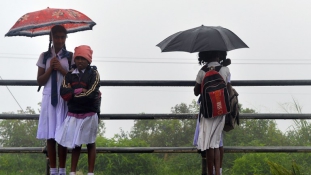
[(200, 77), (229, 78), (40, 61), (225, 73), (228, 75)]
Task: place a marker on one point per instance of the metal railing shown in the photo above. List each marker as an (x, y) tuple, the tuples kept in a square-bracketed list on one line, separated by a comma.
[(171, 83), (227, 149), (163, 116), (168, 83)]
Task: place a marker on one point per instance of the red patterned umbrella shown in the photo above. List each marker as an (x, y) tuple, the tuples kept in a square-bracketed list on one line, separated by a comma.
[(40, 22)]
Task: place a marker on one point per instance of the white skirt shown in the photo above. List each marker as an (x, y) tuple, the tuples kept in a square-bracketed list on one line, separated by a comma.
[(210, 130), (51, 117), (75, 132)]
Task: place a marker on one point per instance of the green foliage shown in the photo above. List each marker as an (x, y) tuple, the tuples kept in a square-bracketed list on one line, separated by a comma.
[(167, 133), (180, 164), (121, 163), (255, 163), (21, 133), (277, 169)]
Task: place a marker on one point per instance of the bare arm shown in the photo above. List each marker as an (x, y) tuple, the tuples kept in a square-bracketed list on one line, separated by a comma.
[(43, 76), (197, 89)]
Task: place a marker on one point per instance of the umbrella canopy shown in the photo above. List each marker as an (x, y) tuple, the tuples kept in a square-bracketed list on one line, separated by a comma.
[(203, 38), (40, 22)]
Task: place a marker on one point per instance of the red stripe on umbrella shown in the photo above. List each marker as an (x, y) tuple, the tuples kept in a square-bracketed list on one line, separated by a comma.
[(40, 22)]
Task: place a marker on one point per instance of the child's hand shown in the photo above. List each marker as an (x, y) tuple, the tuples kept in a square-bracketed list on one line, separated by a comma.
[(56, 64), (84, 90), (69, 86)]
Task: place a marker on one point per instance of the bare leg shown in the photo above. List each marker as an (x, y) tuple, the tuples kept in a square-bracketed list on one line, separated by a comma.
[(75, 158), (91, 155), (62, 156), (210, 160), (217, 161), (51, 148)]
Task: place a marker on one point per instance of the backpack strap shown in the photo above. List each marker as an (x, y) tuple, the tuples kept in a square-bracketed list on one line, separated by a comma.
[(69, 58), (217, 68), (205, 68)]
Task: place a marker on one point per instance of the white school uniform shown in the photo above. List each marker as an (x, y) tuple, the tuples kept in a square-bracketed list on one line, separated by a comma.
[(210, 129), (77, 131), (51, 117)]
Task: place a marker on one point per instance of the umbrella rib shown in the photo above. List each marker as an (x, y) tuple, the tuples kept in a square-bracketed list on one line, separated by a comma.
[(223, 39), (171, 40), (40, 22), (203, 38), (31, 26), (193, 41)]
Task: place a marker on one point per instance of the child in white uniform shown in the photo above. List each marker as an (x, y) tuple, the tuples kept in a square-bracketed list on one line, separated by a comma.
[(81, 89), (210, 129), (52, 66)]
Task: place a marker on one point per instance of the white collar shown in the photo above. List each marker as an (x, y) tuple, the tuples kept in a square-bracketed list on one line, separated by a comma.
[(76, 71), (58, 54), (214, 63)]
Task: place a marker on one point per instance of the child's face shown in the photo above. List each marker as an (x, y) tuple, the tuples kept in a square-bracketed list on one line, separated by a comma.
[(59, 40), (81, 62)]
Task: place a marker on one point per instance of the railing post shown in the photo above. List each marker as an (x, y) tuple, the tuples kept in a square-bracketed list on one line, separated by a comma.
[(47, 169), (204, 161), (204, 167)]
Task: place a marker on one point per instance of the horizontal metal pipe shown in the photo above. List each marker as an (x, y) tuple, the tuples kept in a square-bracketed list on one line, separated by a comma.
[(227, 149), (185, 83), (163, 116)]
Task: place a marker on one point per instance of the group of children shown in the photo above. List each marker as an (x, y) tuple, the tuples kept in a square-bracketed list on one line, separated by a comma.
[(70, 103)]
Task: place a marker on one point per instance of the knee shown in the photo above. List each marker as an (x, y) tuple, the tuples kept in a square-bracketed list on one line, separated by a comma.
[(90, 146), (203, 154), (51, 141)]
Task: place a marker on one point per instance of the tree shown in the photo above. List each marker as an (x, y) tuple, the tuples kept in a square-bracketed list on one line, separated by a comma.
[(171, 133), (20, 133), (277, 169), (122, 163), (167, 133), (253, 132)]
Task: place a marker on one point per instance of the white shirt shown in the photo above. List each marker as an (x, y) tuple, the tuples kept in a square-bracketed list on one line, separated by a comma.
[(63, 62)]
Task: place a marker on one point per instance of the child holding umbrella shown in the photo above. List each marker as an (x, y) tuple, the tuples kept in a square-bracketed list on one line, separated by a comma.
[(52, 66), (210, 129)]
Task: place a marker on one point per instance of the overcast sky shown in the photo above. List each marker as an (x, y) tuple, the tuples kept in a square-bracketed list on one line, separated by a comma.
[(124, 39)]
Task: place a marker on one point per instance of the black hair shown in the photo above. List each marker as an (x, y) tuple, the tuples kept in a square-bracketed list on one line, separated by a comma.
[(56, 29), (209, 56)]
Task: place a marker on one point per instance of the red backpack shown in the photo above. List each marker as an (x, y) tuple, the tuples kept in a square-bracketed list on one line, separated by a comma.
[(215, 97)]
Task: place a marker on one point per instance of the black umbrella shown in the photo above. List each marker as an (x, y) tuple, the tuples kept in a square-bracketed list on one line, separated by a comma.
[(203, 38)]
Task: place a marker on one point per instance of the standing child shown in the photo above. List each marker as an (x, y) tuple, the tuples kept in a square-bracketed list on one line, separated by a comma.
[(52, 66), (80, 89), (210, 129)]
